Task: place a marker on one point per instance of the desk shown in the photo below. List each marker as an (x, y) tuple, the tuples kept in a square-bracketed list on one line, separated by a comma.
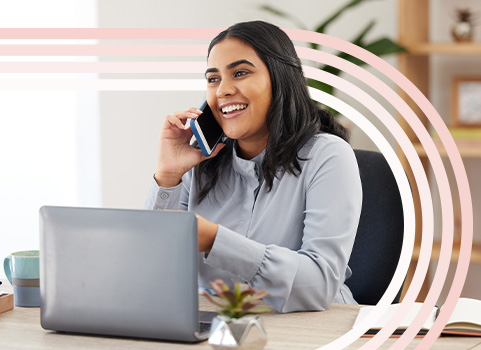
[(20, 329)]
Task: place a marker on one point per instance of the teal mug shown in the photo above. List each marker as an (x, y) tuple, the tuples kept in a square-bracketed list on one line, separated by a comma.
[(23, 273)]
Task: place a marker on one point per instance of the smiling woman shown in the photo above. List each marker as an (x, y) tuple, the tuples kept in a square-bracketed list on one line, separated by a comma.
[(233, 82), (278, 202)]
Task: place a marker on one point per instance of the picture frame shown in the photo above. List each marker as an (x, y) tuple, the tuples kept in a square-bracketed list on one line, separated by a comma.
[(466, 101)]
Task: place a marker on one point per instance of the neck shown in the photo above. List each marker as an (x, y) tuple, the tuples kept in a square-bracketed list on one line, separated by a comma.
[(250, 150)]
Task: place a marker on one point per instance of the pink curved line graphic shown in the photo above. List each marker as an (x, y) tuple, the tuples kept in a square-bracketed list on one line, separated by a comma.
[(103, 67), (424, 260), (110, 33), (402, 107), (104, 50), (454, 157)]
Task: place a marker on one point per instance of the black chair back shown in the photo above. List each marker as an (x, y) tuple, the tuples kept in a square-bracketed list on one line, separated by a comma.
[(379, 237)]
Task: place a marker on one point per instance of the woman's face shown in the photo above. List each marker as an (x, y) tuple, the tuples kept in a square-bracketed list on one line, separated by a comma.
[(239, 93)]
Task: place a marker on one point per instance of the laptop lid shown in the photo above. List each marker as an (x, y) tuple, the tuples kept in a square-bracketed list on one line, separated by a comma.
[(119, 272)]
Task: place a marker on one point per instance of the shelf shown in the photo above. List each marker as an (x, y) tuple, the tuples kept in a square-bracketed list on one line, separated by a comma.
[(466, 150), (475, 253), (444, 48)]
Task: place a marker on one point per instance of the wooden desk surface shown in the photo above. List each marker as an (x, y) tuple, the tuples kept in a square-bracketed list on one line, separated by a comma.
[(20, 329)]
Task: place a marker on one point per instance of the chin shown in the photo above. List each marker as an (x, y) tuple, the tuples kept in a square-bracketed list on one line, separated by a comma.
[(231, 134)]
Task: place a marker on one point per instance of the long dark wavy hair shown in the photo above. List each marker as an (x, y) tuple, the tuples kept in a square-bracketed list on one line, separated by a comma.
[(292, 119)]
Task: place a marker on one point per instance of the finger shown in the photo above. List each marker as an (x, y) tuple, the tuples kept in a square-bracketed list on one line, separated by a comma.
[(187, 126), (188, 131), (195, 110), (172, 120), (190, 113), (217, 149)]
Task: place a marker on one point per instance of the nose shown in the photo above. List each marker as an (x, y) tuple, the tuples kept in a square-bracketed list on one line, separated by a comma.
[(226, 88)]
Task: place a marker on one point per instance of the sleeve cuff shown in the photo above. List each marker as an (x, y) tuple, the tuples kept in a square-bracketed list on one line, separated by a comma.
[(236, 254), (160, 198)]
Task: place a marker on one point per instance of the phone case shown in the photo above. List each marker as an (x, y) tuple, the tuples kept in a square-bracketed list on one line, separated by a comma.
[(199, 139)]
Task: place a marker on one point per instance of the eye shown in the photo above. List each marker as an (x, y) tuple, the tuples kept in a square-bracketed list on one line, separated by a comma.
[(240, 73), (212, 79)]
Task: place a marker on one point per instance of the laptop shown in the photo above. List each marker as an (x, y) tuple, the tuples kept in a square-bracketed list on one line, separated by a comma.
[(129, 273)]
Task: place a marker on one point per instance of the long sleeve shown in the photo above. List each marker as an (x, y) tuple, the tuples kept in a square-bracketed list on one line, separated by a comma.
[(161, 198)]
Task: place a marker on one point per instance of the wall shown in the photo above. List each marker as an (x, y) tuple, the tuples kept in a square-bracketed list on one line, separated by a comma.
[(49, 147)]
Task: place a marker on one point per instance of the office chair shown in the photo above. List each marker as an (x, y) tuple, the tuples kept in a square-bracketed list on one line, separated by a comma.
[(379, 237)]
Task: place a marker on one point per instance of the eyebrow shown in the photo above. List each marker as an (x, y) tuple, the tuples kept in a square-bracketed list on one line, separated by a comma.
[(230, 66)]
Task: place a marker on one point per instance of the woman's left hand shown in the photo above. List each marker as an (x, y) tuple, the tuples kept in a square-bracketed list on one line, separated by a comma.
[(206, 232)]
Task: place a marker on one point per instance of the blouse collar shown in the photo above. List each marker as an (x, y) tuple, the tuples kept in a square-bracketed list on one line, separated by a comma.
[(251, 167)]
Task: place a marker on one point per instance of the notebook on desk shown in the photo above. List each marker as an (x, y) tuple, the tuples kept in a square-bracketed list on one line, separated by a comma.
[(120, 272)]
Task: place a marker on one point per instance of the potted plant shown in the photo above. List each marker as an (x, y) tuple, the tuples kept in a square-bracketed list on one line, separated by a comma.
[(238, 325), (464, 27), (380, 47)]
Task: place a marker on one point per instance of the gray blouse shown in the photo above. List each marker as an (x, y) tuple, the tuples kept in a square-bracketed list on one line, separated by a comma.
[(293, 241)]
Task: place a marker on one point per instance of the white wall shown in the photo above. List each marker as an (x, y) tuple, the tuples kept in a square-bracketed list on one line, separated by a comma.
[(49, 140)]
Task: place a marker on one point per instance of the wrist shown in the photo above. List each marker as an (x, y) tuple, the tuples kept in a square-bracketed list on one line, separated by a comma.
[(207, 231), (212, 233), (166, 181)]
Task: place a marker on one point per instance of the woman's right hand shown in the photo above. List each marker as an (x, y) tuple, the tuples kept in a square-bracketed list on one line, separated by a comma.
[(176, 156)]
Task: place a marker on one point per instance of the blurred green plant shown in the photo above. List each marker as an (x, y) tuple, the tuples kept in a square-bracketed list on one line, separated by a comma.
[(379, 47), (238, 302)]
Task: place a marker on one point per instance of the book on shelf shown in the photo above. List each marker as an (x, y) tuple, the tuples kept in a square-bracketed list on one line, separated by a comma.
[(465, 319), (460, 133)]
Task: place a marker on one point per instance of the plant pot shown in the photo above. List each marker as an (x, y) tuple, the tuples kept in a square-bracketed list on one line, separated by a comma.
[(243, 333), (462, 32)]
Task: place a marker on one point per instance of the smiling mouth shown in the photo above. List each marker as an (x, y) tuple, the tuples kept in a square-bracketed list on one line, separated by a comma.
[(233, 108)]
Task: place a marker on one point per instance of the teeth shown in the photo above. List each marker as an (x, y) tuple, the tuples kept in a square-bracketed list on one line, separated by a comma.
[(233, 108)]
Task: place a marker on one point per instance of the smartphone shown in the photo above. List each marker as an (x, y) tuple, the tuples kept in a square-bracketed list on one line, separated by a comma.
[(206, 130)]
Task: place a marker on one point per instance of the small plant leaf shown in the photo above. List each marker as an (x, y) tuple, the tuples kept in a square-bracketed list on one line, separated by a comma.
[(230, 297), (359, 39), (320, 85), (219, 286), (237, 302), (237, 290), (384, 46), (259, 295), (257, 311), (219, 302)]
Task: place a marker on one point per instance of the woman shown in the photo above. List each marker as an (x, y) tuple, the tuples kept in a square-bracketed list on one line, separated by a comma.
[(278, 203)]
